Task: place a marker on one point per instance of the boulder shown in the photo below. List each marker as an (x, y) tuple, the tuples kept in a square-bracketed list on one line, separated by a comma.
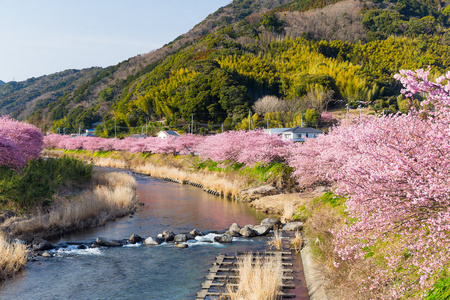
[(234, 228), (224, 238), (181, 245), (41, 245), (152, 241), (233, 233), (134, 239), (168, 235), (180, 238), (293, 226), (249, 226), (272, 223), (195, 233), (105, 242), (81, 247), (260, 191), (261, 230), (247, 232)]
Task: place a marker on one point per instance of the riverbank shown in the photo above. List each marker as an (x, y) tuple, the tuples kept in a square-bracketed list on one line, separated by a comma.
[(106, 197), (273, 198), (233, 181)]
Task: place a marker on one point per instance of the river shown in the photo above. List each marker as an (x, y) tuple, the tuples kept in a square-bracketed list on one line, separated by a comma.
[(136, 271)]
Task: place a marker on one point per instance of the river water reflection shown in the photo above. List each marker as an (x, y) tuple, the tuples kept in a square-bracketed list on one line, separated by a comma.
[(140, 272)]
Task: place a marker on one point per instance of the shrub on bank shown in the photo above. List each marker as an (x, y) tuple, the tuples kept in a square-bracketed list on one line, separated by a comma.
[(35, 184)]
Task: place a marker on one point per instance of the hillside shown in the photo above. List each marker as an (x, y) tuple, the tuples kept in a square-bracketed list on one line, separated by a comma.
[(306, 52), (2, 82)]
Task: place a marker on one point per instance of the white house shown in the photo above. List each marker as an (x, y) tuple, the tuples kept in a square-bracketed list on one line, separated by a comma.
[(165, 133), (299, 134)]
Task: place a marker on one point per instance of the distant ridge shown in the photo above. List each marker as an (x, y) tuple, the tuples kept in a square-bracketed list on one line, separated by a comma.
[(2, 82)]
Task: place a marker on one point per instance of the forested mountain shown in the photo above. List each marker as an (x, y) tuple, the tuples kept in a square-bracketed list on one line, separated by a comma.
[(305, 52), (2, 82)]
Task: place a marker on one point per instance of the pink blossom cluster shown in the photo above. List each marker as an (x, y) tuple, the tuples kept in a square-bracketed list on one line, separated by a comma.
[(19, 143), (248, 147), (395, 171)]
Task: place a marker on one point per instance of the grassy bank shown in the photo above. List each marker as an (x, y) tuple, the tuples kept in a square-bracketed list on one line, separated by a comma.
[(325, 215), (228, 179), (108, 196)]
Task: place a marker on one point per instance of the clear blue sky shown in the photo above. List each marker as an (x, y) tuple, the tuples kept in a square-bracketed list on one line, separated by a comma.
[(39, 37)]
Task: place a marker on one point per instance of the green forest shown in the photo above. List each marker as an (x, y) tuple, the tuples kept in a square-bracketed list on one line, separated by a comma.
[(214, 78)]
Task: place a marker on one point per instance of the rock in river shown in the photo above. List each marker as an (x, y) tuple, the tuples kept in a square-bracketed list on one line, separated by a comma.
[(272, 223), (105, 242), (247, 232), (293, 226), (168, 235), (152, 241), (41, 245), (234, 228), (195, 233), (224, 238), (180, 238), (134, 239), (261, 230)]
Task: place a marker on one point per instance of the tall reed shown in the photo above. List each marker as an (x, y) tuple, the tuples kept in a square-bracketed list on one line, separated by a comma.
[(12, 257), (258, 280)]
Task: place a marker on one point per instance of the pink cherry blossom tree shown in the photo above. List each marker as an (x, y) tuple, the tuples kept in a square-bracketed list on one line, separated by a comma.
[(395, 172), (21, 142)]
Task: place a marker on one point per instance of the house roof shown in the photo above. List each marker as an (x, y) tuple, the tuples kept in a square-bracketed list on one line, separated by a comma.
[(170, 132), (298, 129), (275, 130)]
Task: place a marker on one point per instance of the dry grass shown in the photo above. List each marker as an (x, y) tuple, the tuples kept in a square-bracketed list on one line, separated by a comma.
[(114, 198), (297, 242), (288, 212), (167, 166), (110, 162), (258, 280), (12, 257), (276, 241)]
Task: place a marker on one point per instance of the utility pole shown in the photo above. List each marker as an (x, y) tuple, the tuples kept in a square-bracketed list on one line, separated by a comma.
[(249, 118), (79, 130), (267, 123), (347, 114), (192, 123), (301, 116), (115, 127), (222, 127), (359, 106)]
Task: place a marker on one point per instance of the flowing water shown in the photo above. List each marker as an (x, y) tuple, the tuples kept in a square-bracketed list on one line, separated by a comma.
[(137, 271)]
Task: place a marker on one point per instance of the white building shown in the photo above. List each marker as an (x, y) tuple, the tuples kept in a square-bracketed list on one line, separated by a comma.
[(299, 134), (164, 134)]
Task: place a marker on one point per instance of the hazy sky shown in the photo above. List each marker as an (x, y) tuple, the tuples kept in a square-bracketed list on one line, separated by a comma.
[(39, 37)]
